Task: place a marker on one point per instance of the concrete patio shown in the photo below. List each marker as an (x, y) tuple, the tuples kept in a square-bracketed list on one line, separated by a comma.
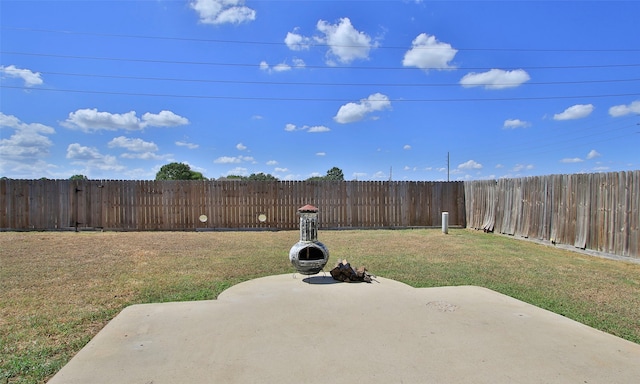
[(299, 329)]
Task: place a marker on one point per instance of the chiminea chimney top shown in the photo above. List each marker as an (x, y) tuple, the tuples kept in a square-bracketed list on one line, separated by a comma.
[(308, 208)]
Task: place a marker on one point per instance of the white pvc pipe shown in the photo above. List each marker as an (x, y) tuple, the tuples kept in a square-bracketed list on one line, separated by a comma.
[(445, 222)]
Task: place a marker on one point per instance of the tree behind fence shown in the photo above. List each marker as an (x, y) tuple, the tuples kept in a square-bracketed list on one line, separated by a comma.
[(183, 205)]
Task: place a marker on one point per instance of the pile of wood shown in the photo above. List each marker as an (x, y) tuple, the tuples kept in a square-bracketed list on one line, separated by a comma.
[(344, 272)]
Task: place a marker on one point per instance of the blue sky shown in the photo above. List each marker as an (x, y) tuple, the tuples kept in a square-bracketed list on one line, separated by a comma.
[(381, 89)]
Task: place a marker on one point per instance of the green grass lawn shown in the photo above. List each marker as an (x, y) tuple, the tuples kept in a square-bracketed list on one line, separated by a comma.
[(57, 290)]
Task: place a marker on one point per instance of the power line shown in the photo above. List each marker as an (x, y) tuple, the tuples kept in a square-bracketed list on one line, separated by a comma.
[(331, 84), (316, 44), (31, 89), (155, 61)]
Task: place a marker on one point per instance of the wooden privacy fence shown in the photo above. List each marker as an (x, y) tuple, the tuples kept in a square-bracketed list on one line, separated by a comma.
[(183, 205), (590, 211), (597, 211)]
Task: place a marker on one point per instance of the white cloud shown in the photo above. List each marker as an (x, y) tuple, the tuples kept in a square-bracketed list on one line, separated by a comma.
[(91, 120), (290, 127), (163, 119), (515, 123), (428, 53), (495, 79), (223, 11), (33, 169), (321, 153), (281, 169), (138, 148), (593, 154), (572, 160), (241, 147), (298, 63), (233, 159), (621, 110), (145, 156), (90, 157), (379, 175), (227, 160), (577, 111), (30, 78), (406, 147), (346, 43), (317, 129), (297, 42), (282, 67), (520, 167), (358, 175), (290, 177), (187, 144), (310, 129), (471, 164), (9, 121), (238, 171), (28, 141), (80, 152), (133, 145), (272, 162), (352, 112)]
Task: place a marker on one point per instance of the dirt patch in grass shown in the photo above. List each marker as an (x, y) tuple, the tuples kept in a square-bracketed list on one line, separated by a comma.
[(58, 290)]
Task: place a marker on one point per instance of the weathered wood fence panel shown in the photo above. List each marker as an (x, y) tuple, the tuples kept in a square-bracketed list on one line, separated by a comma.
[(594, 211), (590, 211), (183, 205)]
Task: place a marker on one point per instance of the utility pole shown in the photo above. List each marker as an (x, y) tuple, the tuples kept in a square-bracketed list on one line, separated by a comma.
[(448, 163)]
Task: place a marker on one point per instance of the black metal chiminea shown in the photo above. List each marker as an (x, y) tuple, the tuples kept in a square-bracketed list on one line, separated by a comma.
[(308, 256)]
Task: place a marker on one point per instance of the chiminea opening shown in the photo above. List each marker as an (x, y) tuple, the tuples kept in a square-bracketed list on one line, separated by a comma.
[(310, 253), (308, 256)]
